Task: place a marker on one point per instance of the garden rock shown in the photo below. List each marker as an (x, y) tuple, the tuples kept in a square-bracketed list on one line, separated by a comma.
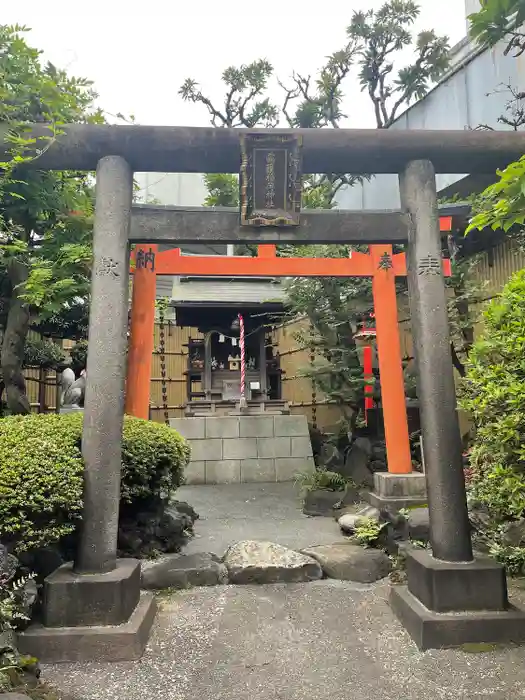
[(349, 521), (186, 508), (514, 534), (364, 444), (265, 562), (419, 525), (14, 696), (330, 458), (184, 571), (321, 502), (356, 466), (348, 562)]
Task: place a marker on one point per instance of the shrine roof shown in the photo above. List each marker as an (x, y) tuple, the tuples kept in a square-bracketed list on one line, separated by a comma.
[(222, 291)]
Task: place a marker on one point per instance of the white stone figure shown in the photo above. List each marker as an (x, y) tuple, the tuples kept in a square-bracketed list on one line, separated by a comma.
[(73, 390)]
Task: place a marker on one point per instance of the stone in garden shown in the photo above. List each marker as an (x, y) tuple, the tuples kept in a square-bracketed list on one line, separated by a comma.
[(265, 562), (183, 507), (14, 696), (349, 521), (321, 502), (419, 524), (330, 458), (514, 534), (348, 562), (356, 466), (184, 571), (364, 444)]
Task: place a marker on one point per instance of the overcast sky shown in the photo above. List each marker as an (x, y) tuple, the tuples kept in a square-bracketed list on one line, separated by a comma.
[(139, 54)]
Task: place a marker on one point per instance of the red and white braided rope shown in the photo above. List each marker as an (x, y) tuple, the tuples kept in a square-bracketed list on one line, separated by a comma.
[(243, 359)]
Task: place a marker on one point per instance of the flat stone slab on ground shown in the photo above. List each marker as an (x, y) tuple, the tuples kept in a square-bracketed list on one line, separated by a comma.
[(251, 561), (328, 640), (348, 562), (184, 571)]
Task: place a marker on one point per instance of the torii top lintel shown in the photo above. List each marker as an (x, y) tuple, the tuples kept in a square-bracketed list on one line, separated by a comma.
[(207, 150)]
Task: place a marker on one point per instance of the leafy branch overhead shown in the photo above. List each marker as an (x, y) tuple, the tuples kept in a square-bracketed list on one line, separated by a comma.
[(499, 19)]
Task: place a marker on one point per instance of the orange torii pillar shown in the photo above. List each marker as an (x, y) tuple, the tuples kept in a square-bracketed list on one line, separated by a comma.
[(142, 326)]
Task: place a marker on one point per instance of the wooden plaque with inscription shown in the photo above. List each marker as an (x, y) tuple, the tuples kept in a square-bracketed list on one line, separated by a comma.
[(270, 180)]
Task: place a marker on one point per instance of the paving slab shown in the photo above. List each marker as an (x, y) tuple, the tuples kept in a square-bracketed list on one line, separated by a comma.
[(230, 513), (328, 640)]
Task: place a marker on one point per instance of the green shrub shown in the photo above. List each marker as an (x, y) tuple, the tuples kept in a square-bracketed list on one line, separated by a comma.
[(41, 473), (322, 479), (494, 395)]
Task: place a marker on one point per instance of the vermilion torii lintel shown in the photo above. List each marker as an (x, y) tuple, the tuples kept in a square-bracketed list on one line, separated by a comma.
[(380, 264)]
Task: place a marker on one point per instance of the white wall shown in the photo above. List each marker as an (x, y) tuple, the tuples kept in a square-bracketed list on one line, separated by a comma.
[(182, 189)]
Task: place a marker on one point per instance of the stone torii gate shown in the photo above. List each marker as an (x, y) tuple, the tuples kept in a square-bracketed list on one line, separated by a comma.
[(93, 609), (380, 264)]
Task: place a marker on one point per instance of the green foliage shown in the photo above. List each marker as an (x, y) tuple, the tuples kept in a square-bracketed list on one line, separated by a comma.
[(502, 205), (41, 473), (12, 607), (498, 19), (368, 531), (43, 353), (322, 479), (494, 395), (513, 558), (223, 190)]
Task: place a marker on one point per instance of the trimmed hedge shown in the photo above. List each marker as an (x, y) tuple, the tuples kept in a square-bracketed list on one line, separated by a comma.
[(41, 473)]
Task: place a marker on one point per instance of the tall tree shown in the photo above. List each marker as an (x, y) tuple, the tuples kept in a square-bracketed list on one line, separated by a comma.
[(375, 40), (45, 217)]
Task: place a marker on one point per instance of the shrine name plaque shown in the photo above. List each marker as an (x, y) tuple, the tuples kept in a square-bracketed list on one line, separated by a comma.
[(270, 180)]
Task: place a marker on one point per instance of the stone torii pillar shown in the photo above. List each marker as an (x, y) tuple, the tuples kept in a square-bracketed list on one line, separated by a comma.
[(451, 598), (93, 608)]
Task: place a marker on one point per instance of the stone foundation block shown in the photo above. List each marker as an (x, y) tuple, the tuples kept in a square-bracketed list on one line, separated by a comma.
[(256, 426), (432, 630), (195, 473), (258, 471), (290, 426), (301, 447), (72, 600), (239, 448), (269, 448), (222, 427), (287, 468), (204, 450), (400, 485), (224, 471), (124, 642), (444, 586), (190, 428)]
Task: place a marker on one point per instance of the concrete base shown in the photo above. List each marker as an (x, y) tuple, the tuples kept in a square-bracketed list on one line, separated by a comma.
[(431, 630), (447, 604), (444, 586), (124, 642), (395, 491), (72, 599)]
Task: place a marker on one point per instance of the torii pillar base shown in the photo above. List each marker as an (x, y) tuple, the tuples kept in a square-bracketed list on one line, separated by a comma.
[(395, 491)]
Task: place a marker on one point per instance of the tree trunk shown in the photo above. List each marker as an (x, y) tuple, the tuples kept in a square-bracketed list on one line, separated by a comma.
[(13, 344)]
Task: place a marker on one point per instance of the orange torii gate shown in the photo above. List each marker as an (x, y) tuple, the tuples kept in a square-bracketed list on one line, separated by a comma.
[(379, 263)]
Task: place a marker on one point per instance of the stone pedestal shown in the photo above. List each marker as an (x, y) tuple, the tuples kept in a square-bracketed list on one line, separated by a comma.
[(246, 449), (447, 604), (395, 491), (96, 617)]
